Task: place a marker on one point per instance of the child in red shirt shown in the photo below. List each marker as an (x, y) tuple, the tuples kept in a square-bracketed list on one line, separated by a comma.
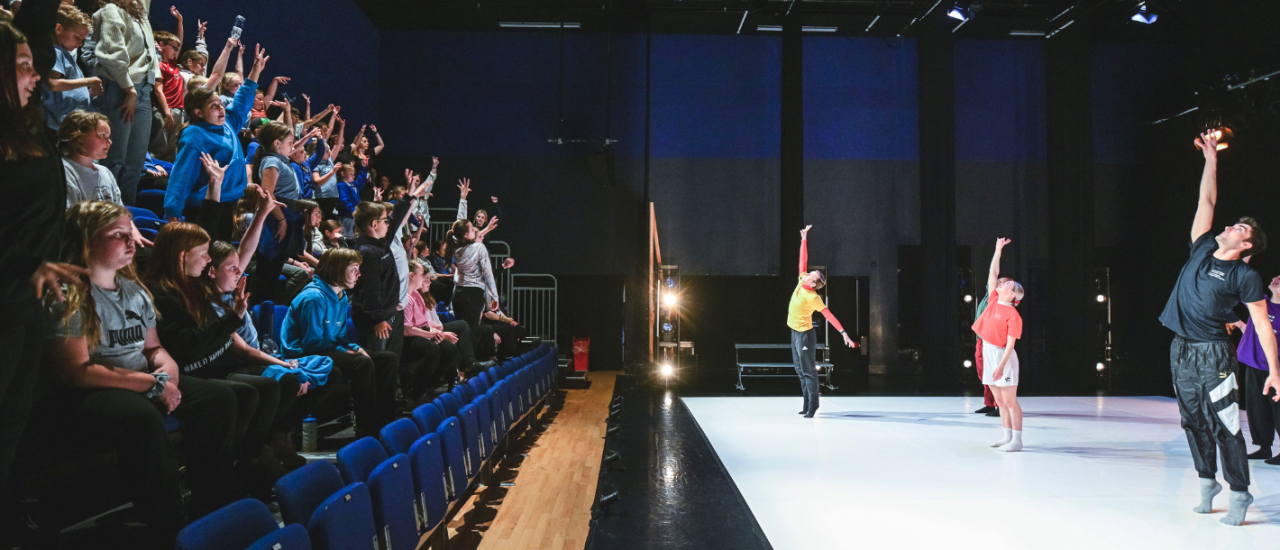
[(999, 327)]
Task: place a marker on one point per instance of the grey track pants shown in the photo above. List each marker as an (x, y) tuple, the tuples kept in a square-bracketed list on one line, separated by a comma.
[(803, 354)]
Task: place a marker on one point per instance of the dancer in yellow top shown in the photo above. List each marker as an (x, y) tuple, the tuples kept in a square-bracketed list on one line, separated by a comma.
[(804, 339)]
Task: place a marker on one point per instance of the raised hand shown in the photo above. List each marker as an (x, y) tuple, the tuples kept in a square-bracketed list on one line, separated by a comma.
[(464, 185), (435, 163), (804, 233), (1001, 242), (307, 99), (377, 194), (173, 10), (494, 199), (201, 26), (508, 263), (373, 128), (282, 79), (241, 298), (1207, 143), (213, 169)]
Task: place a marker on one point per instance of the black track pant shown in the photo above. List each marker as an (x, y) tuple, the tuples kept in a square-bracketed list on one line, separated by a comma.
[(373, 387), (804, 354), (1263, 413), (1205, 382)]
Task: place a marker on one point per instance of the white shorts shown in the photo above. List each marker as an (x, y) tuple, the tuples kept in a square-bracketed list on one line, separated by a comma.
[(991, 356)]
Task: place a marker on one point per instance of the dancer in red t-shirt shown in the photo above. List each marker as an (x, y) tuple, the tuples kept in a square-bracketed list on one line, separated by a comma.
[(999, 327)]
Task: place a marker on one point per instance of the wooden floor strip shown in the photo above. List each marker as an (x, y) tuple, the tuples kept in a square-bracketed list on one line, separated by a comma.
[(550, 506)]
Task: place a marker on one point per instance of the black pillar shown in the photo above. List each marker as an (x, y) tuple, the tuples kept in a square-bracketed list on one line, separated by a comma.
[(791, 195), (1069, 336), (940, 355)]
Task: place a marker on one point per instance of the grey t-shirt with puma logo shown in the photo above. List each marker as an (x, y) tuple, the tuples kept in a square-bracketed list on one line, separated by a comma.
[(126, 313)]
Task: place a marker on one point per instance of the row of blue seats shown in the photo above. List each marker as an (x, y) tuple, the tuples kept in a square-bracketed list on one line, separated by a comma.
[(395, 493)]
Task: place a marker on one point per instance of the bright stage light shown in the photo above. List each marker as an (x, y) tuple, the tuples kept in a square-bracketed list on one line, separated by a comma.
[(968, 298), (1101, 298), (968, 363), (1101, 367), (1144, 15), (958, 13), (667, 371), (670, 299)]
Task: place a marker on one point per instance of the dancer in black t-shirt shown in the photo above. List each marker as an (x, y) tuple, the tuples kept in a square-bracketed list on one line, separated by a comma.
[(1202, 359)]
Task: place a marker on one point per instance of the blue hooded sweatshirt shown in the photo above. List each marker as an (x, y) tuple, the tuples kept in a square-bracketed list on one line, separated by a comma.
[(316, 323), (187, 180)]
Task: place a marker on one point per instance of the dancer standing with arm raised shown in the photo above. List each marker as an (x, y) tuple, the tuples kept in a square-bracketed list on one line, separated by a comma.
[(1201, 357), (804, 339), (999, 328)]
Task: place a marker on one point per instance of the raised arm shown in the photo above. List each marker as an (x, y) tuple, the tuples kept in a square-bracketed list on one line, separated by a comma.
[(220, 66), (1208, 144), (804, 249), (1258, 314), (994, 274), (464, 186), (239, 57), (178, 16), (377, 148), (270, 94)]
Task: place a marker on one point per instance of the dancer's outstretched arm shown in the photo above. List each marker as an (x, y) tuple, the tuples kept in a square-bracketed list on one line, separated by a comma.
[(831, 318), (994, 274), (804, 249), (1208, 145), (1258, 313)]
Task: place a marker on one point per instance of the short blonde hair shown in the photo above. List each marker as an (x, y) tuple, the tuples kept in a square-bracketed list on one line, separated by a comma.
[(71, 17), (75, 127)]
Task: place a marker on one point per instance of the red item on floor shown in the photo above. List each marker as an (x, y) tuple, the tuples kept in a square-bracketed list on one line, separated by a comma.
[(580, 348)]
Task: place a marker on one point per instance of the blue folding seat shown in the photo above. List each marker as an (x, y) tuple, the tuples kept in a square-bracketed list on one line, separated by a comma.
[(149, 223), (430, 482), (344, 521), (292, 537), (153, 200), (497, 414), (478, 387), (449, 404), (428, 417), (494, 375), (464, 393), (141, 213), (358, 459), (455, 456), (148, 233), (471, 437), (303, 490), (398, 436), (232, 527), (485, 416), (394, 516)]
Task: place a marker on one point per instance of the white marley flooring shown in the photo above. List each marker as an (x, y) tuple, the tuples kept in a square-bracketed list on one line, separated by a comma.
[(916, 472)]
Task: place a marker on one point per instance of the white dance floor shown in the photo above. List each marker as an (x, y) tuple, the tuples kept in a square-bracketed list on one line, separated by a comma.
[(916, 472)]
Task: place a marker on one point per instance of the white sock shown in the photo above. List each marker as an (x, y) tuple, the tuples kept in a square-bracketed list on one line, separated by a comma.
[(1008, 436), (1015, 444)]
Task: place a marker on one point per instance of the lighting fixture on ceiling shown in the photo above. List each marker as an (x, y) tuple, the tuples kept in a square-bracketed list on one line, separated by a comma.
[(1026, 33), (958, 13), (1145, 14), (807, 28), (539, 25)]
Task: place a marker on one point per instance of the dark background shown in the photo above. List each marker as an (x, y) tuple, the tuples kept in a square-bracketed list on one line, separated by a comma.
[(1052, 145)]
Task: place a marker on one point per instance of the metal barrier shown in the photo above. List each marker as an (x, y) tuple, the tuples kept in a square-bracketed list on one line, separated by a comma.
[(535, 304), (498, 252), (441, 220)]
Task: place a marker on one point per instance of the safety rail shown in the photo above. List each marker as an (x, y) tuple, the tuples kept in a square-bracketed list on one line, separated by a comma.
[(535, 304)]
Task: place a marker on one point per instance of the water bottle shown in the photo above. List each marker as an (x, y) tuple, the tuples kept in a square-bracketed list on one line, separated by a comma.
[(269, 347), (309, 434), (238, 28)]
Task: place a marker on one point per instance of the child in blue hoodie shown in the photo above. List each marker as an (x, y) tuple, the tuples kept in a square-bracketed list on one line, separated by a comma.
[(316, 325), (349, 185), (214, 130)]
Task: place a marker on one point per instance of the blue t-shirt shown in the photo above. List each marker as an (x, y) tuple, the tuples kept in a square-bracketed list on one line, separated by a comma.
[(60, 104), (286, 180), (328, 187)]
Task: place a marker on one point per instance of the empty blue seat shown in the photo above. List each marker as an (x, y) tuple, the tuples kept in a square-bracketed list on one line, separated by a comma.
[(292, 537), (428, 417), (448, 403), (497, 414), (455, 456), (153, 200), (141, 213), (485, 417), (398, 436), (303, 490), (358, 459), (344, 521), (429, 480), (478, 387), (494, 375), (463, 393), (471, 437), (232, 527), (394, 516)]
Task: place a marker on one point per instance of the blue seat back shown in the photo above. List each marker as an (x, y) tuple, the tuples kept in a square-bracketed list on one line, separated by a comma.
[(448, 403), (494, 376), (235, 525), (358, 459), (478, 387), (429, 482), (454, 454), (303, 490), (463, 393), (497, 414), (149, 223), (344, 521), (391, 487), (485, 416), (428, 417), (398, 436), (141, 213), (292, 537), (153, 200), (471, 437)]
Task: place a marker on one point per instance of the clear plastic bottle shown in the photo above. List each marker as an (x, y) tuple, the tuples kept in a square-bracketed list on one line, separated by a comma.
[(309, 434), (238, 28)]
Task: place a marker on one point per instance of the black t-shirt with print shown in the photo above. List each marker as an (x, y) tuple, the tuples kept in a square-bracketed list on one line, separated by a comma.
[(1207, 289)]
